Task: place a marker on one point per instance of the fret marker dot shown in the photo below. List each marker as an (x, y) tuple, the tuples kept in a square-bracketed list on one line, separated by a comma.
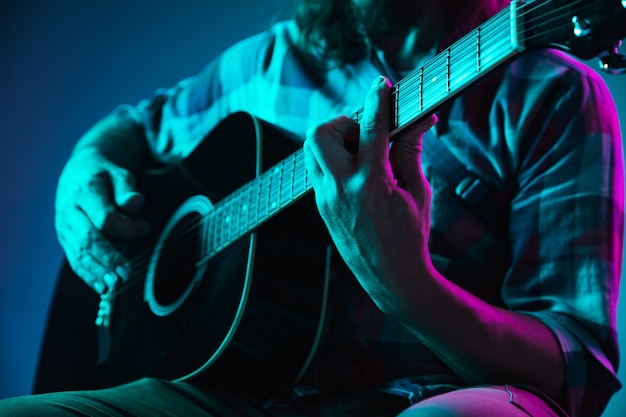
[(274, 205), (227, 219), (434, 79)]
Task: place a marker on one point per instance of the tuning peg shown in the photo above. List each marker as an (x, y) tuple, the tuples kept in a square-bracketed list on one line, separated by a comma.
[(613, 62)]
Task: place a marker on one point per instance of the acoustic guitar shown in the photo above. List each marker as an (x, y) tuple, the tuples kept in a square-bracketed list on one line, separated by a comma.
[(229, 292)]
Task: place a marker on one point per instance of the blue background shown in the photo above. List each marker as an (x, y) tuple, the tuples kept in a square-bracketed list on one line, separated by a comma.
[(63, 65)]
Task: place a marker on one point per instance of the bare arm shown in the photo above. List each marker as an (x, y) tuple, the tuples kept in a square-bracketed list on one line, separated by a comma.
[(377, 208)]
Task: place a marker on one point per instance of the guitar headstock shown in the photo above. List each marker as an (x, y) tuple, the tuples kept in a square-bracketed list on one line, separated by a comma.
[(584, 28)]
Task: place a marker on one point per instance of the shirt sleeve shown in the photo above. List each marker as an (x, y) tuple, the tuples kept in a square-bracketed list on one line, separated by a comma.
[(178, 118), (567, 216)]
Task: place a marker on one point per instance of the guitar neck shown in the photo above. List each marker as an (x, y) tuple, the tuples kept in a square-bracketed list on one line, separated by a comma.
[(459, 66), (256, 202), (419, 94)]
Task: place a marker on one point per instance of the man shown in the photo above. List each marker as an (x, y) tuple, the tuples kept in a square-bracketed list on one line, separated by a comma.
[(502, 305)]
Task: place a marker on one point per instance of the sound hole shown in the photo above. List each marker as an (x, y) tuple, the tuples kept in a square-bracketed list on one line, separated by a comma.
[(176, 266)]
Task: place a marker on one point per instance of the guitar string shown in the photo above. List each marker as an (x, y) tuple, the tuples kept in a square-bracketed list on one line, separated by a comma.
[(407, 86), (410, 87), (415, 88), (412, 84), (141, 261)]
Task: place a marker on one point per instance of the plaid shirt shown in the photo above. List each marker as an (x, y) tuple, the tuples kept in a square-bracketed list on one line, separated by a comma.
[(541, 136)]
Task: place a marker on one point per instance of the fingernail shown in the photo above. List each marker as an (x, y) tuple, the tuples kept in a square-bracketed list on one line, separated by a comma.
[(122, 272), (99, 287), (110, 280), (380, 80)]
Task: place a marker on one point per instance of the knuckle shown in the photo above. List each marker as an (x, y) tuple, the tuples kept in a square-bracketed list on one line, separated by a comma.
[(82, 251), (335, 128), (94, 249), (94, 182), (320, 132), (106, 221), (124, 175), (108, 259)]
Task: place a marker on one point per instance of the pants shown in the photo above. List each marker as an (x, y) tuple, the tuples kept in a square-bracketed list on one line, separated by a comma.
[(158, 398)]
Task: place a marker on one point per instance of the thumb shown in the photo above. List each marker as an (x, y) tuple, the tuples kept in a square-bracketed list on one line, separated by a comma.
[(405, 154), (124, 193)]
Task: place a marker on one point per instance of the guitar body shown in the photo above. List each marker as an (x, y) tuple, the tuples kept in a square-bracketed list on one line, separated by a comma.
[(252, 315)]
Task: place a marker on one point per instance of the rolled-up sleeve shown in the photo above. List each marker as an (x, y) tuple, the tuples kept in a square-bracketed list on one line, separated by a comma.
[(567, 226)]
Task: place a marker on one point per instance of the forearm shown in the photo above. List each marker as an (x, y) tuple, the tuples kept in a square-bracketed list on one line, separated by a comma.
[(119, 139), (483, 344), (382, 232)]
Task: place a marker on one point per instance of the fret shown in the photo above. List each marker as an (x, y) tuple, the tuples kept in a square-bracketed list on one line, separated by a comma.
[(210, 227), (217, 229), (274, 192), (295, 174), (421, 90), (227, 207), (462, 63), (242, 212), (205, 228), (235, 206), (253, 200), (494, 46), (395, 118), (357, 116), (226, 225), (264, 196), (218, 236), (300, 181), (478, 49), (406, 91), (448, 70), (233, 217), (434, 86), (408, 99), (308, 184), (286, 185)]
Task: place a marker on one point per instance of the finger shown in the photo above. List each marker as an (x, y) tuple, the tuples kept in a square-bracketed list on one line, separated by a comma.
[(313, 170), (324, 145), (407, 147), (94, 258), (131, 202), (124, 193), (374, 130), (405, 157), (97, 203)]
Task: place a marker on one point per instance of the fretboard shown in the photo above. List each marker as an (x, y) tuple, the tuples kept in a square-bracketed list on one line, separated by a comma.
[(418, 95)]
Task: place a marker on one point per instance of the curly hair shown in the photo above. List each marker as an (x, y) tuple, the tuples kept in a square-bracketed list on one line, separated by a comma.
[(330, 33)]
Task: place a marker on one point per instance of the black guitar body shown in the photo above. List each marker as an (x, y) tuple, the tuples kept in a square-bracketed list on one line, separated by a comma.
[(259, 302)]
